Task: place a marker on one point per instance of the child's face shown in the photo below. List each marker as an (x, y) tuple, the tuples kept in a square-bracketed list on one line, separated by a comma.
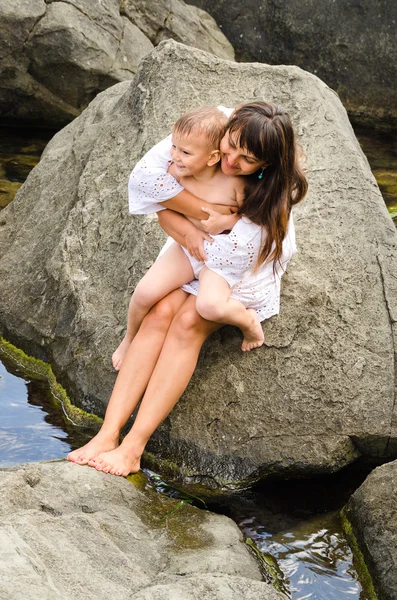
[(236, 160), (191, 154)]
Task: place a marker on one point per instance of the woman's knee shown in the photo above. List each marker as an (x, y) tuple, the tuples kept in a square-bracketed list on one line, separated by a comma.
[(189, 326), (161, 315)]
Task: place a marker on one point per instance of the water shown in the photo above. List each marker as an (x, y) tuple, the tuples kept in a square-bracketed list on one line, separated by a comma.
[(381, 150), (20, 151), (297, 523), (33, 426)]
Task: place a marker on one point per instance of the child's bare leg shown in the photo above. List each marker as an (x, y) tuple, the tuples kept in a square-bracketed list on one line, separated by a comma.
[(214, 304), (168, 273), (140, 360)]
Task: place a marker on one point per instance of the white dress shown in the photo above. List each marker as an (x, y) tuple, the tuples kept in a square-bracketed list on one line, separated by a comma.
[(233, 255)]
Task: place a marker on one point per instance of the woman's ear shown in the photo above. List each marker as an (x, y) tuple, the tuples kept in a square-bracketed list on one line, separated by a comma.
[(215, 157)]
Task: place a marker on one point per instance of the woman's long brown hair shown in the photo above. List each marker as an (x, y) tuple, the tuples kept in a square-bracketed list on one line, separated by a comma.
[(266, 131)]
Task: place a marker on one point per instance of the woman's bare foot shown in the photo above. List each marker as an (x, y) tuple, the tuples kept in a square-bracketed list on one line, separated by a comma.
[(102, 442), (118, 355), (253, 335), (122, 461)]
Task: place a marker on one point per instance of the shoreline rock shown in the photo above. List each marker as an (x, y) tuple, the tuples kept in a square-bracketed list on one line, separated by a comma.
[(70, 531), (371, 512)]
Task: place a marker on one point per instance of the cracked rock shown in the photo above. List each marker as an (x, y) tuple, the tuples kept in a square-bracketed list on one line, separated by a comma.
[(56, 56), (129, 548)]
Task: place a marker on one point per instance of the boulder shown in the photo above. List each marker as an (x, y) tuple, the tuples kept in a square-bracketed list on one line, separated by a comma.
[(174, 19), (55, 56), (72, 532), (347, 44), (371, 512), (321, 391)]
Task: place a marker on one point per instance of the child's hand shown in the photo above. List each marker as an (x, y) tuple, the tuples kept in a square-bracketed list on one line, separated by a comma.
[(224, 209), (194, 243), (215, 223)]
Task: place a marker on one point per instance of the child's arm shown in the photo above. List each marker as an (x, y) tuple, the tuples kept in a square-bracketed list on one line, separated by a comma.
[(217, 223), (151, 188), (184, 233), (190, 205)]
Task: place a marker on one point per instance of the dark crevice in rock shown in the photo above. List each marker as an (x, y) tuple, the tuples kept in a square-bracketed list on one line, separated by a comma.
[(391, 320), (33, 28), (50, 510), (85, 15), (161, 29)]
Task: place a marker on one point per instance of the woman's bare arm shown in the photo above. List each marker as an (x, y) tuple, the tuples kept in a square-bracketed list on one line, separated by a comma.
[(190, 205), (184, 232)]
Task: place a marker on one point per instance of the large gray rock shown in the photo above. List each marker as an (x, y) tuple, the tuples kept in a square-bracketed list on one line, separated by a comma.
[(372, 513), (321, 391), (71, 532), (350, 45), (55, 56)]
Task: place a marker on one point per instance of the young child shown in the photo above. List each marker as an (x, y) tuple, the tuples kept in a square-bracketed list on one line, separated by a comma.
[(195, 164)]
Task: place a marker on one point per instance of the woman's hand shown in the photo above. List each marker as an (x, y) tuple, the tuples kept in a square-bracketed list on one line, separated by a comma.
[(194, 243), (217, 223)]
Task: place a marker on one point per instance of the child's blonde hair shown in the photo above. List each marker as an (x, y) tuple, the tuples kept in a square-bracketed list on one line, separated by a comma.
[(206, 120)]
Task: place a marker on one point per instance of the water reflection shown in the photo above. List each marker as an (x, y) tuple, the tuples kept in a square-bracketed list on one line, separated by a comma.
[(297, 523), (32, 426), (381, 150), (20, 151), (314, 558)]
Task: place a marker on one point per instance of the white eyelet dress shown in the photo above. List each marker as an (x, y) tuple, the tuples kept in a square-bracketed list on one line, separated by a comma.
[(233, 255)]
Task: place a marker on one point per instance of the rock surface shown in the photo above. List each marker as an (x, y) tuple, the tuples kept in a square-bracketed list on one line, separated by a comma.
[(372, 512), (72, 532), (347, 44), (56, 55), (321, 391)]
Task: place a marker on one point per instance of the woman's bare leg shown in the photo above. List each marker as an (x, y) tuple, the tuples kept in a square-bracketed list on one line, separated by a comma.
[(140, 361), (174, 368)]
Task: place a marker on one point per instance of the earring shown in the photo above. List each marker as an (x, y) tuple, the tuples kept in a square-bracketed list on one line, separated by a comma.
[(260, 176)]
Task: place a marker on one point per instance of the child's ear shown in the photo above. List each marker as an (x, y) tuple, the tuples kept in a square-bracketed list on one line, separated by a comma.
[(215, 157)]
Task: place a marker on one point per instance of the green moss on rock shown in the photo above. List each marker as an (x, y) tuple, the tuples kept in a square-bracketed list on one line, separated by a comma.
[(38, 369), (358, 557)]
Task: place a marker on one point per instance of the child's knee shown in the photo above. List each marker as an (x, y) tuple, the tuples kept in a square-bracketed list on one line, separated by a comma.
[(144, 297), (210, 310)]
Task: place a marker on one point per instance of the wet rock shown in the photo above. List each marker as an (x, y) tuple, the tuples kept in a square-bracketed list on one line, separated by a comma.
[(372, 513), (320, 392), (70, 531), (55, 56), (347, 44)]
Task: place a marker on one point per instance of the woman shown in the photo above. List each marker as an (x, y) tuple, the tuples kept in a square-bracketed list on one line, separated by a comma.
[(161, 358)]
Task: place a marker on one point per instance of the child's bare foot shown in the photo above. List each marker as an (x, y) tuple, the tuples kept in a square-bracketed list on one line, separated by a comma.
[(102, 442), (253, 335), (121, 461), (118, 355)]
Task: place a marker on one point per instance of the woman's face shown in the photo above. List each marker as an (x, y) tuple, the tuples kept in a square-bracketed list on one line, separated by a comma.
[(236, 160)]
